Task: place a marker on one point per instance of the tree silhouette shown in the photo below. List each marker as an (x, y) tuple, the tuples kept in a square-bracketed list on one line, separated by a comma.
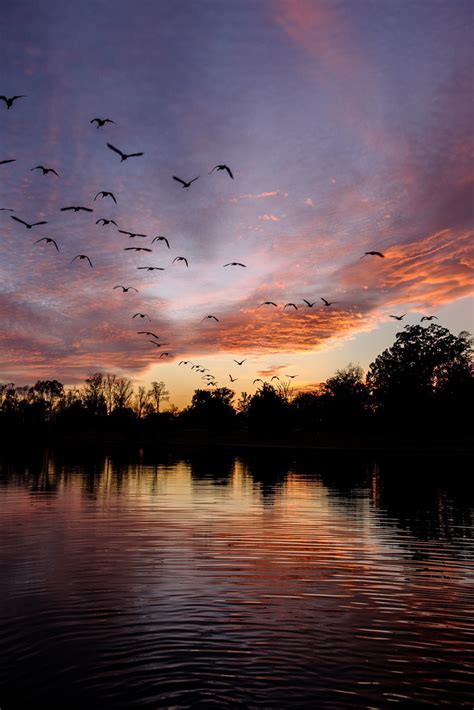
[(423, 367), (346, 399), (158, 394), (212, 410), (269, 413)]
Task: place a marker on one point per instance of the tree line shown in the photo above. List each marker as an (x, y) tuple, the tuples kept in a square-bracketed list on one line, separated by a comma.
[(423, 382)]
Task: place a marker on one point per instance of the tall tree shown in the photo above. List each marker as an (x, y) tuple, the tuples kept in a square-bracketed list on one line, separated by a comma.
[(158, 394), (408, 379)]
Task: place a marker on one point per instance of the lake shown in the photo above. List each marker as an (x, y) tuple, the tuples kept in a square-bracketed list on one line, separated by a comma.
[(267, 579)]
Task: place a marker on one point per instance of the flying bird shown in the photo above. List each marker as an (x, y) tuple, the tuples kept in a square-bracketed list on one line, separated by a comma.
[(373, 253), (268, 303), (10, 160), (161, 239), (257, 380), (27, 225), (292, 377), (9, 101), (136, 249), (76, 209), (184, 362), (151, 268), (82, 256), (398, 317), (290, 304), (48, 240), (183, 182), (275, 377), (428, 318), (124, 156), (310, 304), (102, 121), (233, 379), (240, 362), (222, 167), (235, 263), (147, 332), (131, 235), (6, 209), (208, 317), (104, 193), (107, 221), (327, 303), (141, 315), (181, 258), (158, 345), (45, 170), (126, 288), (165, 355)]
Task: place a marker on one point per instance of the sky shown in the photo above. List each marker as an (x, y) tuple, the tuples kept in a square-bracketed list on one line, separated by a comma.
[(347, 127)]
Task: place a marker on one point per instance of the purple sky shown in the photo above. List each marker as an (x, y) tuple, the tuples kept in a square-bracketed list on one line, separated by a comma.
[(348, 126)]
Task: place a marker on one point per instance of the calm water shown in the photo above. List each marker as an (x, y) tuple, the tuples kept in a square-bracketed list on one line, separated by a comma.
[(145, 581)]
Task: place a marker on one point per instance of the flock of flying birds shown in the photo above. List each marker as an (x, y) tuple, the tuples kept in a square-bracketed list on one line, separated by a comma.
[(101, 122)]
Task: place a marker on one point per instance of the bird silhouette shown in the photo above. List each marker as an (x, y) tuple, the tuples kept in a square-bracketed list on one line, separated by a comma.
[(76, 209), (235, 263), (268, 303), (161, 239), (45, 170), (141, 315), (290, 304), (240, 362), (6, 209), (126, 288), (233, 379), (151, 268), (48, 240), (9, 101), (104, 193), (292, 377), (27, 225), (208, 317), (310, 304), (147, 332), (82, 256), (222, 167), (373, 253), (184, 362), (107, 221), (398, 317), (184, 183), (102, 121), (137, 249), (429, 318), (158, 345), (327, 303), (257, 380), (10, 160), (124, 156), (181, 258), (131, 235), (275, 377), (165, 355)]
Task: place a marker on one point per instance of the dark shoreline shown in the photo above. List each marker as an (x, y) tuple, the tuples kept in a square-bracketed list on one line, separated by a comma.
[(323, 442)]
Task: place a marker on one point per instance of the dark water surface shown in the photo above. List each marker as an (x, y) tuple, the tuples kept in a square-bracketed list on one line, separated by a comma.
[(264, 580)]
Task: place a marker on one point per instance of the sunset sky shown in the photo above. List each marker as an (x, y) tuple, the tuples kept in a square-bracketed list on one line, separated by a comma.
[(347, 125)]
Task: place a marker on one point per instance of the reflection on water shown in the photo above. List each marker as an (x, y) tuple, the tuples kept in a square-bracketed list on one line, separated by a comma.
[(266, 581)]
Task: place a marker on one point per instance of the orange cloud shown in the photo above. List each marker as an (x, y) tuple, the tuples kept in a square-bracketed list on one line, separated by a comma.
[(269, 218)]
